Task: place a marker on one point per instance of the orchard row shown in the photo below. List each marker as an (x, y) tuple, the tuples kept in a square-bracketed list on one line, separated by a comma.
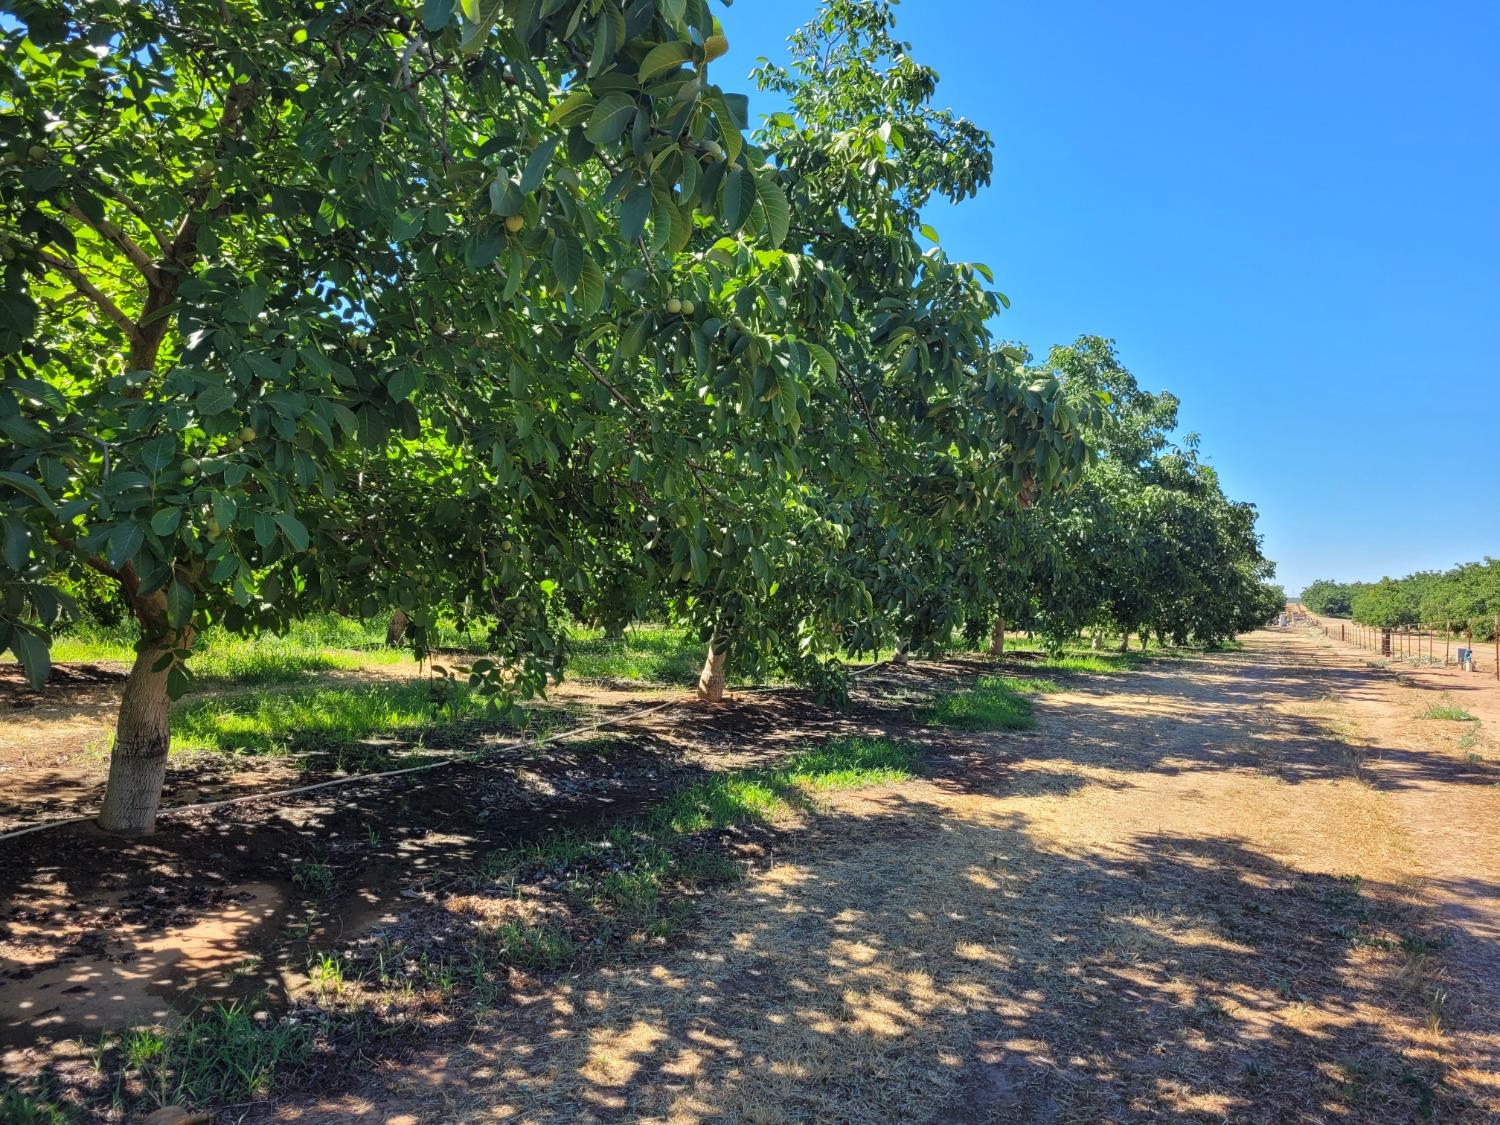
[(496, 309)]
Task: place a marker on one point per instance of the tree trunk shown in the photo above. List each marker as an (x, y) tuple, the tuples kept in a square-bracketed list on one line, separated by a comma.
[(712, 682), (1098, 640), (395, 630), (1125, 641), (898, 657), (138, 762), (997, 637)]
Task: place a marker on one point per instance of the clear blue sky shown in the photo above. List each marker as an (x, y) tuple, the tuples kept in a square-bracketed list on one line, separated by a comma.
[(1287, 214)]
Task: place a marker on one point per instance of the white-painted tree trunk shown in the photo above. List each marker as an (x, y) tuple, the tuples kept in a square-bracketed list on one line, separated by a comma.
[(711, 682), (138, 762), (997, 637)]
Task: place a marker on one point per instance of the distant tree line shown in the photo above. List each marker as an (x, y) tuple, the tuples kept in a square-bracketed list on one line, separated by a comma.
[(1465, 598)]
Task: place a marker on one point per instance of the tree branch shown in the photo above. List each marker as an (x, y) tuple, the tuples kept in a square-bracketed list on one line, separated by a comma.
[(138, 257), (89, 290), (134, 208)]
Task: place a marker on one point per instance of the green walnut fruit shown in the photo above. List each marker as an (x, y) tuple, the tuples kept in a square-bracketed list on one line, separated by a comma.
[(688, 308), (7, 252), (713, 148), (515, 223), (247, 434), (206, 170), (674, 306), (9, 158), (189, 466), (37, 152), (213, 527)]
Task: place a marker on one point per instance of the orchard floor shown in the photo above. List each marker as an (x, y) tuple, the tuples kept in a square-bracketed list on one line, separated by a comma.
[(1252, 885)]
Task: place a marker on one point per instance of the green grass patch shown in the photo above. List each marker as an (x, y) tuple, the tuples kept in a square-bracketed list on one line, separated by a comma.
[(320, 644), (759, 796), (646, 654), (993, 703), (17, 1108), (533, 947), (296, 721), (229, 1053), (1448, 712), (1094, 662)]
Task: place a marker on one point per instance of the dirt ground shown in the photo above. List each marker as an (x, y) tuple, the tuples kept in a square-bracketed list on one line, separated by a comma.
[(1184, 897), (1253, 885)]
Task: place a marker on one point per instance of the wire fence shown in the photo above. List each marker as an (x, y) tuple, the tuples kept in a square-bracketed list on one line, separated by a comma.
[(1428, 647)]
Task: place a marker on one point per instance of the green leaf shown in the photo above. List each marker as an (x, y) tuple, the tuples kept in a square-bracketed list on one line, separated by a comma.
[(159, 452), (567, 259), (479, 18), (436, 14), (739, 197), (662, 58), (214, 400), (824, 359), (22, 483), (778, 214), (17, 543), (572, 109), (633, 211), (408, 223), (31, 651), (179, 680), (590, 287), (124, 543), (264, 529), (225, 509), (165, 521), (505, 198), (482, 251), (179, 604), (928, 233), (292, 528), (536, 164), (609, 119)]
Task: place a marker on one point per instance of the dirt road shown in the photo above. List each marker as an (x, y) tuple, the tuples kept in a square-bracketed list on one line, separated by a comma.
[(1253, 885)]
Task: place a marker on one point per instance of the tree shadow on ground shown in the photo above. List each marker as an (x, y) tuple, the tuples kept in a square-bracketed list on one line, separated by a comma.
[(905, 964), (914, 966)]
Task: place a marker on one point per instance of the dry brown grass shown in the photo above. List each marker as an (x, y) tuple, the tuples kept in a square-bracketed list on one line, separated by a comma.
[(1178, 900)]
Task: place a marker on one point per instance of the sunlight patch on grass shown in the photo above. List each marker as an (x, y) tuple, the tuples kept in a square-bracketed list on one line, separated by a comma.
[(993, 703), (646, 654), (1448, 712), (289, 721), (759, 796), (1095, 662), (321, 644)]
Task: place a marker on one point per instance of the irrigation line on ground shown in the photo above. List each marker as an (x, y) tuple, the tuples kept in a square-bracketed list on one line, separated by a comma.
[(381, 775)]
